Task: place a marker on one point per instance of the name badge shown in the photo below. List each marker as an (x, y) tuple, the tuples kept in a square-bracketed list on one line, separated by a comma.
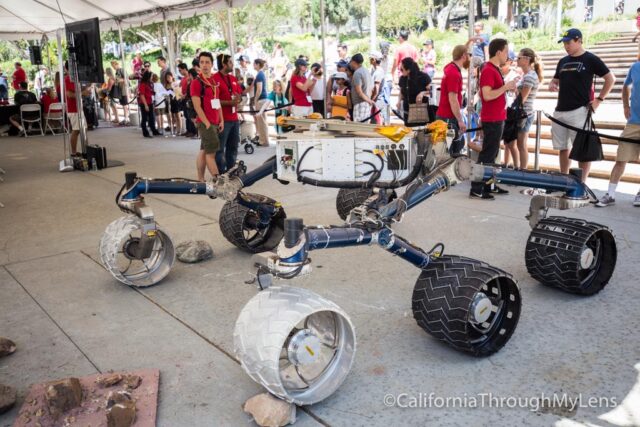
[(233, 110), (215, 104), (309, 99)]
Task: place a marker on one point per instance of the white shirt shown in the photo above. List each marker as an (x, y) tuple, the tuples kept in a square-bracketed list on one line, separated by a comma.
[(317, 93), (159, 95)]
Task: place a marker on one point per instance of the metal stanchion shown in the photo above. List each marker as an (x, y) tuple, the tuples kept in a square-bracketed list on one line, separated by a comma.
[(536, 162), (167, 103)]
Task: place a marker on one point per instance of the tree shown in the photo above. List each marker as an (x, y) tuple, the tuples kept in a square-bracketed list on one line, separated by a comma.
[(393, 16), (360, 11)]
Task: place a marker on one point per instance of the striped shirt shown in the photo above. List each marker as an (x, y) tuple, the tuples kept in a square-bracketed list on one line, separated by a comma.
[(529, 80)]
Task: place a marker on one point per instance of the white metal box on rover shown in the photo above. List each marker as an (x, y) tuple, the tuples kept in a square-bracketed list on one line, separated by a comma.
[(344, 159)]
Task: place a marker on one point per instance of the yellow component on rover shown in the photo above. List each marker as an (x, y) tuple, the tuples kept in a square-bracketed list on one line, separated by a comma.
[(438, 130), (394, 133)]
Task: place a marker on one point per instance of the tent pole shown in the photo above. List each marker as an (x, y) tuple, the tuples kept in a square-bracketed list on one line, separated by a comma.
[(61, 97), (232, 32), (373, 16), (170, 59), (124, 69), (470, 94), (324, 55)]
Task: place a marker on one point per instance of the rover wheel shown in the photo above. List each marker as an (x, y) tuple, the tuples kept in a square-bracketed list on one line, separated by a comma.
[(466, 303), (298, 345), (118, 258), (574, 255)]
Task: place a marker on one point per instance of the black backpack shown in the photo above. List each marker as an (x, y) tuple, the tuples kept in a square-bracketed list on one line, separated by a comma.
[(188, 102)]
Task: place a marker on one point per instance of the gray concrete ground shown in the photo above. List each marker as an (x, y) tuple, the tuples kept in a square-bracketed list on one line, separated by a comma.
[(68, 316)]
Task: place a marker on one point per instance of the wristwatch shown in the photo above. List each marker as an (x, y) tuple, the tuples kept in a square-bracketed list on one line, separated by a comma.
[(600, 99)]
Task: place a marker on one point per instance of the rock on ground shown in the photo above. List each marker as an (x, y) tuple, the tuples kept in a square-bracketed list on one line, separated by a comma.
[(63, 395), (269, 411), (6, 346), (121, 409), (193, 251), (7, 398)]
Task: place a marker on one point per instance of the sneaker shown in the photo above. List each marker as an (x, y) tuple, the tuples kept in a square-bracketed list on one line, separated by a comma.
[(481, 196), (606, 200), (636, 201), (498, 190)]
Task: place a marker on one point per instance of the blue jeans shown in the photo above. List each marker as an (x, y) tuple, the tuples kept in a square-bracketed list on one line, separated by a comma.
[(228, 151)]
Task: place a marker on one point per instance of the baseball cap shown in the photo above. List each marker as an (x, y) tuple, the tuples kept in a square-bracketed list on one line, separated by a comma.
[(428, 42), (357, 58), (375, 55), (342, 63), (301, 62), (341, 75), (512, 55), (570, 34)]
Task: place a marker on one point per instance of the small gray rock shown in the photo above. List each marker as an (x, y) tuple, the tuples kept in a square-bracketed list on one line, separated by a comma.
[(6, 346), (194, 251), (7, 398)]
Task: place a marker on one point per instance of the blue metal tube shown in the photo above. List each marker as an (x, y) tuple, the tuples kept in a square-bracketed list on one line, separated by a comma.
[(257, 174), (571, 185), (338, 237), (168, 187), (422, 193), (405, 250)]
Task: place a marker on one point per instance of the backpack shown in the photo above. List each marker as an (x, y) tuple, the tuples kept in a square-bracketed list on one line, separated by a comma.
[(188, 102)]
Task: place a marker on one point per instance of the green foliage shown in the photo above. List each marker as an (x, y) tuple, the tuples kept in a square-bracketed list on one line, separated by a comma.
[(566, 21), (497, 27), (396, 15)]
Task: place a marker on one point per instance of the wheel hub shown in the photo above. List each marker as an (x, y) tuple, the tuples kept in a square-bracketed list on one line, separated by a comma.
[(303, 348), (130, 247), (480, 308), (586, 258)]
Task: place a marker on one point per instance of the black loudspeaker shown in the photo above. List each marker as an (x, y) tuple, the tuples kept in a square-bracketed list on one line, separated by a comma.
[(35, 55)]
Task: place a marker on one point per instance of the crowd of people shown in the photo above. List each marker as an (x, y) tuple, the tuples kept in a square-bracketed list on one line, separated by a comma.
[(210, 97)]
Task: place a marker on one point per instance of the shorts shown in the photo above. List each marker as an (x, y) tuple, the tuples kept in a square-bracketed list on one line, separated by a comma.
[(74, 119), (361, 111), (300, 111), (209, 139), (629, 151), (124, 100), (562, 138), (525, 124)]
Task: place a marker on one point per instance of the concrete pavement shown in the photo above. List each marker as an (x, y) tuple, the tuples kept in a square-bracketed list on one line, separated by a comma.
[(68, 316)]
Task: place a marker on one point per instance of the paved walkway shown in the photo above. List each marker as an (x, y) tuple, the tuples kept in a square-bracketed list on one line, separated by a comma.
[(68, 316)]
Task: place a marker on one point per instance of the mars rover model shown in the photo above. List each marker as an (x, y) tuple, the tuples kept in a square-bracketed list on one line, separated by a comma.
[(301, 346)]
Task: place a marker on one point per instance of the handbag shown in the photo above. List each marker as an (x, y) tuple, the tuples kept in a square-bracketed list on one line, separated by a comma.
[(418, 113), (514, 116), (587, 146)]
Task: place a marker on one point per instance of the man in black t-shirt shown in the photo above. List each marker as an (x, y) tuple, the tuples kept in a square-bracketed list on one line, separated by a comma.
[(574, 82), (23, 97)]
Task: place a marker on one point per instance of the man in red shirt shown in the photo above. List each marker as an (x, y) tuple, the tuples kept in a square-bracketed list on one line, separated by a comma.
[(493, 114), (19, 76), (206, 101), (72, 110), (450, 107), (230, 96), (405, 49)]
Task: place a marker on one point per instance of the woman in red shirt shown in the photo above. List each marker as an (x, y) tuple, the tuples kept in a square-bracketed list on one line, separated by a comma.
[(145, 105), (300, 90)]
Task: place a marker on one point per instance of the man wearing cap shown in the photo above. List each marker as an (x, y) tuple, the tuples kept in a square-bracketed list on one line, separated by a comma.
[(450, 106), (361, 87), (377, 75), (574, 82)]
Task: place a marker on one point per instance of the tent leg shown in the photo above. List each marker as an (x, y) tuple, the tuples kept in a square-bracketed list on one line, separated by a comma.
[(127, 92), (324, 56)]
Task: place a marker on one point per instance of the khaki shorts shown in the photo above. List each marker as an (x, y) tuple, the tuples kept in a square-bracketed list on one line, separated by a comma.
[(74, 119), (562, 138), (209, 139), (629, 151)]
